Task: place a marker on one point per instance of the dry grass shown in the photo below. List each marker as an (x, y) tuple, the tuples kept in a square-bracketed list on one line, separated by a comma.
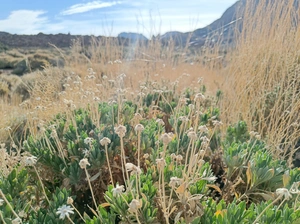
[(262, 81)]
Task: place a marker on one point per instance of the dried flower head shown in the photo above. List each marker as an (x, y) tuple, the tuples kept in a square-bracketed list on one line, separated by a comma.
[(105, 141), (203, 128), (139, 128), (119, 189), (160, 122), (70, 201), (201, 162), (184, 119), (1, 202), (138, 116), (283, 192), (64, 211), (134, 205), (166, 138), (192, 135), (199, 97), (133, 168), (191, 106), (83, 163), (120, 131), (173, 156), (179, 158), (146, 156), (217, 123), (201, 153), (252, 134), (16, 221), (174, 181), (161, 163)]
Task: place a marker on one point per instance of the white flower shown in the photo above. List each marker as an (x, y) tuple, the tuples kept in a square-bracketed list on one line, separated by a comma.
[(64, 211), (134, 206), (30, 161), (83, 163), (88, 140), (118, 190), (283, 192), (86, 152), (139, 128), (1, 202), (120, 130), (105, 141)]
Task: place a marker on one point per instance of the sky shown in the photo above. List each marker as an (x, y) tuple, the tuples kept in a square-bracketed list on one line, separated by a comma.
[(108, 17)]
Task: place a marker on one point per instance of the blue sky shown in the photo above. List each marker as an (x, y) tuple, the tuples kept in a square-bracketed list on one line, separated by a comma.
[(108, 17)]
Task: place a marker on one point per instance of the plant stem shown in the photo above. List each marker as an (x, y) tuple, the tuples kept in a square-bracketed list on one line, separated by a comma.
[(9, 205), (41, 184), (70, 219), (91, 189), (108, 164), (78, 212), (258, 217)]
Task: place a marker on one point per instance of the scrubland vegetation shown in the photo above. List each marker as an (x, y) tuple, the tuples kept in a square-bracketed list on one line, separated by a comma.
[(156, 134)]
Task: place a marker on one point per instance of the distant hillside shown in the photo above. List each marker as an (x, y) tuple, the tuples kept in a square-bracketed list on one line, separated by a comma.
[(43, 40), (133, 36)]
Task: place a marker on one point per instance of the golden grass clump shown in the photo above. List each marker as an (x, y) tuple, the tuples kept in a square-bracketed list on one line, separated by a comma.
[(262, 83)]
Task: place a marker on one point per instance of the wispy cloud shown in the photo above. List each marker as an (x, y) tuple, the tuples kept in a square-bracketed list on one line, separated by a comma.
[(85, 7), (24, 21)]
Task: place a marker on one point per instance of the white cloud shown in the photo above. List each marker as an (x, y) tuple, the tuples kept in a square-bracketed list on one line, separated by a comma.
[(24, 21), (85, 7)]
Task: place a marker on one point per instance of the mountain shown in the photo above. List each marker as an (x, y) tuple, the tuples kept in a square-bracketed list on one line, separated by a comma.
[(225, 26), (133, 36)]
